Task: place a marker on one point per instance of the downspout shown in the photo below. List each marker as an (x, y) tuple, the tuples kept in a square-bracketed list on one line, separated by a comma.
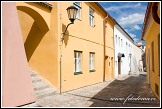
[(154, 10), (104, 52), (61, 42)]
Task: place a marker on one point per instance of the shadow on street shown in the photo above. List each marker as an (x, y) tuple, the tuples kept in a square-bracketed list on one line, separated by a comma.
[(131, 92)]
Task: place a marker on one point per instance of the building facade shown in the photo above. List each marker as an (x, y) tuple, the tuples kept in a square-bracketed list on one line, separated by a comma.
[(17, 86), (140, 45), (137, 62), (86, 54), (123, 44), (151, 34)]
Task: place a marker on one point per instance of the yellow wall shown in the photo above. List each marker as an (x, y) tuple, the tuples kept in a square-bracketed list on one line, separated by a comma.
[(44, 49), (109, 74), (152, 36), (41, 45), (81, 36)]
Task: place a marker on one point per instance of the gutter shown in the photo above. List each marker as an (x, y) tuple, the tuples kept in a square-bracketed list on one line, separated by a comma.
[(153, 8), (112, 18), (104, 38), (124, 30), (104, 11), (147, 14), (46, 4)]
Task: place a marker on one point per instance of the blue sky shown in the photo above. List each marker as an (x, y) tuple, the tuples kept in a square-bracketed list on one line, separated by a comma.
[(130, 15)]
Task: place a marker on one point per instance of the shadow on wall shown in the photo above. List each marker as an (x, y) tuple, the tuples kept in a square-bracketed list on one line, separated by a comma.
[(119, 89), (33, 39), (66, 36)]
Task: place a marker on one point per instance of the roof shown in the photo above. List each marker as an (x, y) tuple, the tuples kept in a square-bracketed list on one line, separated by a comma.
[(124, 31), (104, 11), (147, 14), (46, 4), (112, 19)]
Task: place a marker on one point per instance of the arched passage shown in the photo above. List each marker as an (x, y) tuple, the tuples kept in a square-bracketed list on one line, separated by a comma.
[(37, 31)]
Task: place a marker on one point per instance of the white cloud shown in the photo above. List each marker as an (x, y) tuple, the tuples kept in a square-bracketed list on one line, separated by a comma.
[(126, 30), (132, 35), (138, 5), (117, 8), (136, 27), (136, 40), (132, 20)]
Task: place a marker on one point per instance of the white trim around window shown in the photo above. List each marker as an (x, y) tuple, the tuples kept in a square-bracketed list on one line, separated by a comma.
[(92, 61), (77, 61), (78, 6), (91, 16)]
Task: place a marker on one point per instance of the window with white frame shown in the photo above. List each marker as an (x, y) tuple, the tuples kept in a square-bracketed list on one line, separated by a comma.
[(119, 40), (91, 61), (91, 17), (116, 39), (78, 6), (78, 60)]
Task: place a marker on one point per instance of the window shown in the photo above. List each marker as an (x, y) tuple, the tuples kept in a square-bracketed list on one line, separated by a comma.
[(91, 17), (116, 39), (119, 40), (78, 60), (152, 47), (78, 6), (91, 62)]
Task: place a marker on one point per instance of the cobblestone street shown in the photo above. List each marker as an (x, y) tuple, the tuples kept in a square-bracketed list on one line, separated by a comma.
[(114, 93)]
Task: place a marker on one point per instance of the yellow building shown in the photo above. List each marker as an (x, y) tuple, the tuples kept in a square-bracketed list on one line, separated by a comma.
[(151, 34), (84, 57)]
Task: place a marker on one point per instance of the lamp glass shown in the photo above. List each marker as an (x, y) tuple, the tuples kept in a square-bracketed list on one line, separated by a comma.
[(72, 12)]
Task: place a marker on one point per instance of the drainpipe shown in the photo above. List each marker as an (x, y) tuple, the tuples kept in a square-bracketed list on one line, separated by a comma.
[(154, 10), (104, 38), (60, 45)]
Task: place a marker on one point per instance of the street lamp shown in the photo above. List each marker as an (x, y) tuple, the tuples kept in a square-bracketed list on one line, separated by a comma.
[(72, 12)]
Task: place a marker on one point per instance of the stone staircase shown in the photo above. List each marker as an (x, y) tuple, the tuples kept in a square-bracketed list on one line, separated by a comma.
[(42, 90)]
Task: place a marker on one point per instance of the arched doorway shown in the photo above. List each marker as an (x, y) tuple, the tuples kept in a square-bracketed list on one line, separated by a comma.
[(33, 27)]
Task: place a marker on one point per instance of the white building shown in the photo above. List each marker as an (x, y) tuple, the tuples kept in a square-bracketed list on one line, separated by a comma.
[(136, 60), (128, 57), (123, 44), (140, 45)]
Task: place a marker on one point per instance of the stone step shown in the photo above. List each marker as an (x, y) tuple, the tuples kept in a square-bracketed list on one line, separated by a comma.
[(33, 74), (40, 85), (36, 79), (45, 92)]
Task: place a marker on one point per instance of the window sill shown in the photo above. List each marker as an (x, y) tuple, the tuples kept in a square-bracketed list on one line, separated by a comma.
[(92, 70), (77, 73)]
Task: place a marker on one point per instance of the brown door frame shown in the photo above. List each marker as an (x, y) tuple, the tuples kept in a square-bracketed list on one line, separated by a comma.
[(119, 65)]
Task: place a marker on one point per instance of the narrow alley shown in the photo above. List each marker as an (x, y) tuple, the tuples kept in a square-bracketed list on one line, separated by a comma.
[(81, 54), (120, 92)]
